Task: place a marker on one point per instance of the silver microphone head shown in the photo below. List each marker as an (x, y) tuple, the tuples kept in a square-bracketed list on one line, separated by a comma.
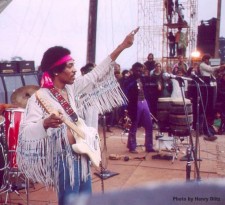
[(167, 76)]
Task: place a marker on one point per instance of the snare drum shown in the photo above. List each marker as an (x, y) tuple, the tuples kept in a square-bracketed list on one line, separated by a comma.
[(13, 117)]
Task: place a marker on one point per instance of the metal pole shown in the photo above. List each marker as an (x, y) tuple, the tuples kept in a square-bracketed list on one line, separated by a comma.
[(92, 24), (216, 54)]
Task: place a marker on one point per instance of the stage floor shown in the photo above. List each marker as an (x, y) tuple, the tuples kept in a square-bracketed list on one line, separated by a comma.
[(141, 169)]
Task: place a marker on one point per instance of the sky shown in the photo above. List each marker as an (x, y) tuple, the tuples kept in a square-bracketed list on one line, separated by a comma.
[(29, 27)]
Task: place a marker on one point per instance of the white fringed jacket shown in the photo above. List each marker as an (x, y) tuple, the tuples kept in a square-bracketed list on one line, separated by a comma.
[(38, 150)]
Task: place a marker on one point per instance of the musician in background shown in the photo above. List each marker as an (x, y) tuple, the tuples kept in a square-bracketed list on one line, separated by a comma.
[(208, 73), (210, 95), (138, 109), (44, 152), (206, 69)]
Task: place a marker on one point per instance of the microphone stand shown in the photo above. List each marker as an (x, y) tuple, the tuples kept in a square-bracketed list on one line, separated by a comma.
[(191, 148), (104, 173), (199, 99)]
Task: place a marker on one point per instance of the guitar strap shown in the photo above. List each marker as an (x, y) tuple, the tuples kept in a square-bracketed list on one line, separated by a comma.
[(66, 106)]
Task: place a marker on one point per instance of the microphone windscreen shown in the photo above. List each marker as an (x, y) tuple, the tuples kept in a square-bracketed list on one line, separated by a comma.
[(165, 76)]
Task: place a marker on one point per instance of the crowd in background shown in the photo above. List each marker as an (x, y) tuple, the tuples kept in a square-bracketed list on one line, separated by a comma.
[(159, 87)]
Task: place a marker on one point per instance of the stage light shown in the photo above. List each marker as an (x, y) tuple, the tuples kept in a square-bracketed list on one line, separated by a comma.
[(195, 54)]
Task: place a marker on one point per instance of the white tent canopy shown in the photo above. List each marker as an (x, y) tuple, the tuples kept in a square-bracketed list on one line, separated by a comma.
[(29, 27)]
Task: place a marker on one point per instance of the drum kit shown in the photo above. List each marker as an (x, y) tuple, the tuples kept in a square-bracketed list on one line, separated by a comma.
[(175, 118), (11, 116)]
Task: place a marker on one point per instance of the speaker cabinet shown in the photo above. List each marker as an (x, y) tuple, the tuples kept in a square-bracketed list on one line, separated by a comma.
[(25, 66), (8, 67), (11, 82), (2, 91), (30, 78)]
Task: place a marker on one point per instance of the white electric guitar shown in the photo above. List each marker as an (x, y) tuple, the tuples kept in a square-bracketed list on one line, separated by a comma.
[(87, 138)]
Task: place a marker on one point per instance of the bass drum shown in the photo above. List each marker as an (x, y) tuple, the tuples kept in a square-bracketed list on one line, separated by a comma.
[(13, 117)]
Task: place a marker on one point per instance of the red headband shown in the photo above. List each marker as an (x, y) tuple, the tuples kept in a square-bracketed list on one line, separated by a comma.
[(46, 80), (61, 61)]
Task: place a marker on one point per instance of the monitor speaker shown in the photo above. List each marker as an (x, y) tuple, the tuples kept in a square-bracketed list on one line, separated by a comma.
[(11, 83)]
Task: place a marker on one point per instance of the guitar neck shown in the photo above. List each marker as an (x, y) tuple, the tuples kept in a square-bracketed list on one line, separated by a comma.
[(77, 128), (74, 127)]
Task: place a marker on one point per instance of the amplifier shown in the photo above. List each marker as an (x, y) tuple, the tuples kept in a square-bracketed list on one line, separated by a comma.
[(25, 66), (8, 67)]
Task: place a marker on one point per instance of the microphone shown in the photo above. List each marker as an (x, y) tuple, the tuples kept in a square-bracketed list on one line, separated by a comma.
[(196, 77), (167, 76)]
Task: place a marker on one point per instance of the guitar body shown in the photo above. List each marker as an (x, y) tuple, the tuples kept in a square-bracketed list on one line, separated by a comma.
[(90, 145), (87, 138)]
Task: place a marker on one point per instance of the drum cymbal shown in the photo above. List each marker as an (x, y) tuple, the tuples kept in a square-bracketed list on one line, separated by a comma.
[(21, 95)]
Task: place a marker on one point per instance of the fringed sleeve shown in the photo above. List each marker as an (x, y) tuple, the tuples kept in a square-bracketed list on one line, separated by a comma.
[(100, 89)]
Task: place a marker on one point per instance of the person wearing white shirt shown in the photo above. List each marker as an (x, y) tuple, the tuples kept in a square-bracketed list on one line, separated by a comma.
[(206, 69)]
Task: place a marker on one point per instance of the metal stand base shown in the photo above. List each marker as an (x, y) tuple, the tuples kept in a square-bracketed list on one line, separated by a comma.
[(105, 174)]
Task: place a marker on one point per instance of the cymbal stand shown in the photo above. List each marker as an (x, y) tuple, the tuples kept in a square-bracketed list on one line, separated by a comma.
[(12, 187)]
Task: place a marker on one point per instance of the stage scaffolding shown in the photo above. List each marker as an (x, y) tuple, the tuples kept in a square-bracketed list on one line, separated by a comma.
[(154, 27)]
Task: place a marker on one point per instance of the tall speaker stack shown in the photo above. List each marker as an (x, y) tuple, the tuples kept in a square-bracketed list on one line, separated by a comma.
[(16, 74)]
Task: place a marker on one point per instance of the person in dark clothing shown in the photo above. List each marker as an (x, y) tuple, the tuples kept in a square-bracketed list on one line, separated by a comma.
[(123, 84), (138, 110), (172, 44), (156, 79), (169, 5), (150, 63)]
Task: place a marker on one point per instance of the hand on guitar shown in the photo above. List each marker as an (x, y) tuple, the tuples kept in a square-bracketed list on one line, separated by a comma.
[(54, 120)]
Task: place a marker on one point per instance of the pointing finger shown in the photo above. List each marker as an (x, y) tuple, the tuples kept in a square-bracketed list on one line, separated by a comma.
[(135, 31)]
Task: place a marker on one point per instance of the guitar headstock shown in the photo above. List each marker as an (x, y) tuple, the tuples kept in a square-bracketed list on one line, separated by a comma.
[(45, 104)]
